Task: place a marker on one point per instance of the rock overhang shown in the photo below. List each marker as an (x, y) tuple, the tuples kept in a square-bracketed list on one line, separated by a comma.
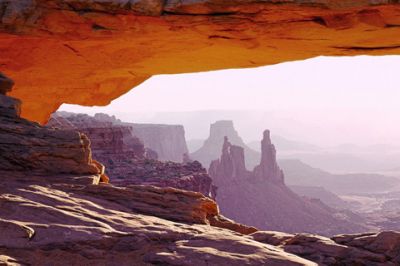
[(91, 52)]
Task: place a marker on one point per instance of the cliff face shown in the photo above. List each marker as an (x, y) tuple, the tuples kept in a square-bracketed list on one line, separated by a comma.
[(211, 148), (167, 140), (54, 212), (127, 162), (91, 52), (106, 138), (28, 147), (261, 199)]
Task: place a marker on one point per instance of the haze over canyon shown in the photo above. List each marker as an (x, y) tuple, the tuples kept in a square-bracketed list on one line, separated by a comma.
[(291, 157)]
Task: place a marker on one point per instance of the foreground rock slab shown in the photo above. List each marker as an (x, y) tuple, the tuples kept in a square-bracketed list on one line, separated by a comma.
[(358, 249), (42, 224)]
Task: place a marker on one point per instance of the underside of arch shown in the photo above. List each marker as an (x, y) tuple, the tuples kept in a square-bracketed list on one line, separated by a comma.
[(91, 52)]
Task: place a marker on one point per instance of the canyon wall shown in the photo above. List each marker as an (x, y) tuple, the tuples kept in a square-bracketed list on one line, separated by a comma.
[(211, 149), (167, 140), (116, 145), (260, 198), (91, 52), (55, 211)]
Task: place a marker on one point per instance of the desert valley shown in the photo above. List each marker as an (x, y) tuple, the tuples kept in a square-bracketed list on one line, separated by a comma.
[(304, 174)]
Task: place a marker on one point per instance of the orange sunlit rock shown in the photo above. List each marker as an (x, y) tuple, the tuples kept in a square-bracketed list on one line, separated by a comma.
[(92, 56)]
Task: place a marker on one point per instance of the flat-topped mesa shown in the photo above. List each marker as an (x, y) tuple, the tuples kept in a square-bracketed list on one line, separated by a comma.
[(127, 162), (107, 138), (268, 168), (168, 141)]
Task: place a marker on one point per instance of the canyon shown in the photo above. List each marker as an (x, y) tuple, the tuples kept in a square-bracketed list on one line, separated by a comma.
[(260, 197), (57, 206), (57, 203), (128, 162)]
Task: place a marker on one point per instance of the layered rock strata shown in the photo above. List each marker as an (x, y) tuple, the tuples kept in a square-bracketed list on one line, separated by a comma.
[(261, 199), (29, 147), (126, 159), (91, 52), (168, 141), (53, 217), (359, 249)]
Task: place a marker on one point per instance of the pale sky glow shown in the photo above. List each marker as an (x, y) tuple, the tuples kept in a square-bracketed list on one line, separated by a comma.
[(346, 99)]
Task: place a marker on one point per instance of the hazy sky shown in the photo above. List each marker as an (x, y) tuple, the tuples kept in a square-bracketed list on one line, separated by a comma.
[(329, 100)]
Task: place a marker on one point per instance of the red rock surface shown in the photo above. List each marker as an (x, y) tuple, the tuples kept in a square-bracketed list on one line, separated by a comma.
[(29, 147), (66, 222), (261, 199), (168, 141), (123, 154), (91, 52), (358, 249), (52, 217)]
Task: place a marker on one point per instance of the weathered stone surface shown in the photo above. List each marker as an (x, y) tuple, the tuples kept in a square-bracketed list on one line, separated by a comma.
[(125, 158), (168, 141), (359, 249), (27, 146), (90, 52), (261, 199), (51, 224), (107, 139)]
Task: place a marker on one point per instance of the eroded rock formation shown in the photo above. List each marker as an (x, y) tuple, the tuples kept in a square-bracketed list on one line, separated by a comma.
[(168, 141), (358, 249), (127, 161), (261, 199), (212, 146), (52, 217), (90, 52), (31, 148), (268, 168)]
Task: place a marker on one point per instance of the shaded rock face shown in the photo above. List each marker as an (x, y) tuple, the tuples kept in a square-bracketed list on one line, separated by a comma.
[(168, 141), (107, 139), (127, 161), (358, 249), (190, 176), (84, 38), (211, 148), (29, 147), (6, 84), (261, 199)]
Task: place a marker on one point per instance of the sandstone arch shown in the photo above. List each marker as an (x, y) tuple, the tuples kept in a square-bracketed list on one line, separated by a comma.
[(89, 52)]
